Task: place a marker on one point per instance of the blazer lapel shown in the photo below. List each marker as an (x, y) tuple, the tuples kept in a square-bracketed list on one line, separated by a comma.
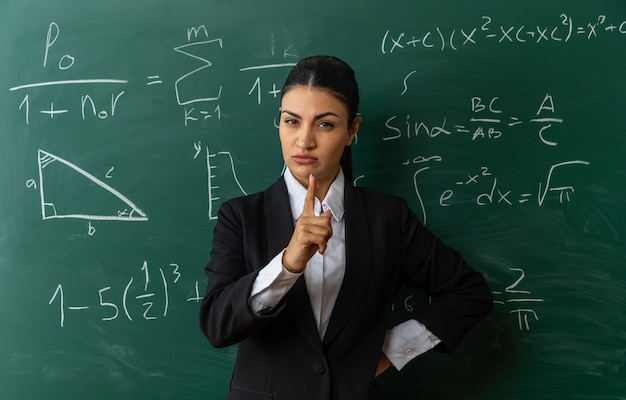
[(278, 219), (357, 263), (280, 226)]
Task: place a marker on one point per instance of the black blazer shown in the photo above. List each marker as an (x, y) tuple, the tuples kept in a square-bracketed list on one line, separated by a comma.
[(280, 354)]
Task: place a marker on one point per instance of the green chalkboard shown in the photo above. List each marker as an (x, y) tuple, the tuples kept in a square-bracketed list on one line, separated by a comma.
[(125, 124)]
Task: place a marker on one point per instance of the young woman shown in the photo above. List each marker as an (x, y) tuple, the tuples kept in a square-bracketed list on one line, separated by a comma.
[(302, 276)]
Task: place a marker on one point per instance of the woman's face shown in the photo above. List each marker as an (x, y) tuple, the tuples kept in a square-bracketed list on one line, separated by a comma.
[(313, 134)]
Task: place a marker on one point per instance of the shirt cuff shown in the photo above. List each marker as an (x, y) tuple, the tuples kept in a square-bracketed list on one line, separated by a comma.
[(406, 341), (271, 284)]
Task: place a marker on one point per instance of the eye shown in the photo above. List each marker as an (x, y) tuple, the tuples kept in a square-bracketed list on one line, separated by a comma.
[(326, 124), (290, 121)]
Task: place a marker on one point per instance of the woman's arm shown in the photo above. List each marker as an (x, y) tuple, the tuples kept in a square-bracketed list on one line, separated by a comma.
[(460, 296), (225, 315)]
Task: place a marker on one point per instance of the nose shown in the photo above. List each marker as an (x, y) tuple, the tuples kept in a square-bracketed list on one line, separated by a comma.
[(306, 138)]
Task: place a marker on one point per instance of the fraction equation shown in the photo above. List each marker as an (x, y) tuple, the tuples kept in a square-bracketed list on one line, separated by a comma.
[(520, 301), (146, 298), (488, 121), (198, 91)]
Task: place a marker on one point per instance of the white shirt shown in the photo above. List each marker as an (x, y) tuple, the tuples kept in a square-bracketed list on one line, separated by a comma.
[(324, 274)]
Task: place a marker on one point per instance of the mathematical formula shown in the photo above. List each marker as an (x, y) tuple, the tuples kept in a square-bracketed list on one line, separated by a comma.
[(146, 298), (486, 122), (498, 193), (148, 293), (519, 302), (198, 104), (563, 31)]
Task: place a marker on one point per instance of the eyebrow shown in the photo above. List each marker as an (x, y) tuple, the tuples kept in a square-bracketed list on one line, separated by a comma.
[(322, 115)]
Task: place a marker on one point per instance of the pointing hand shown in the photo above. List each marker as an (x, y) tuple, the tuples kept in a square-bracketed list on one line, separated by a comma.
[(311, 233)]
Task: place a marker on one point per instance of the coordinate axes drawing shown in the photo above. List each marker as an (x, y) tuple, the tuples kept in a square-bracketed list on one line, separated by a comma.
[(221, 161)]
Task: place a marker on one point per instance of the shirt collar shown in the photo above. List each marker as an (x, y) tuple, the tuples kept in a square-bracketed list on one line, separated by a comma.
[(334, 200)]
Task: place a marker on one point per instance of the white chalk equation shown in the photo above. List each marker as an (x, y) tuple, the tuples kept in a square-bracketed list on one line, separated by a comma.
[(555, 187), (199, 107), (487, 121), (62, 185), (199, 90), (521, 304), (144, 298), (487, 31), (520, 301), (88, 106)]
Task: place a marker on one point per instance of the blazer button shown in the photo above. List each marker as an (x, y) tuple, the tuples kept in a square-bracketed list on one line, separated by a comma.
[(318, 367)]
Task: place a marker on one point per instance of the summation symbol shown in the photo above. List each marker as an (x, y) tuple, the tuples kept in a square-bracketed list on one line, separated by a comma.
[(192, 50), (197, 105), (187, 51)]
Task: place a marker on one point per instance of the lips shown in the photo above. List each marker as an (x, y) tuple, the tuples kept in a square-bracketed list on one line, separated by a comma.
[(304, 159)]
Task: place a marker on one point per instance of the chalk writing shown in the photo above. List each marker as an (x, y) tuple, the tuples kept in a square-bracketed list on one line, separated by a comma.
[(500, 194), (487, 122), (420, 160), (66, 61), (564, 30), (88, 106), (198, 106), (122, 208), (220, 167), (144, 298), (517, 297), (514, 297), (191, 50), (258, 88)]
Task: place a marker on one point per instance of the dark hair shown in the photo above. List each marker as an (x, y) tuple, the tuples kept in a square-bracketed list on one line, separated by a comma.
[(336, 76)]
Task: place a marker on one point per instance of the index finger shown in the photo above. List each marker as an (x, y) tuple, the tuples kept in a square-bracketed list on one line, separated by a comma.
[(309, 200)]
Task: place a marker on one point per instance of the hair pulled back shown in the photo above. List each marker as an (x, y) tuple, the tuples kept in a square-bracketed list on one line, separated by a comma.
[(330, 73)]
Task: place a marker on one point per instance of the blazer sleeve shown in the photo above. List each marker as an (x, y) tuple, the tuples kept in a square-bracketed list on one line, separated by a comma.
[(236, 257), (460, 296)]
